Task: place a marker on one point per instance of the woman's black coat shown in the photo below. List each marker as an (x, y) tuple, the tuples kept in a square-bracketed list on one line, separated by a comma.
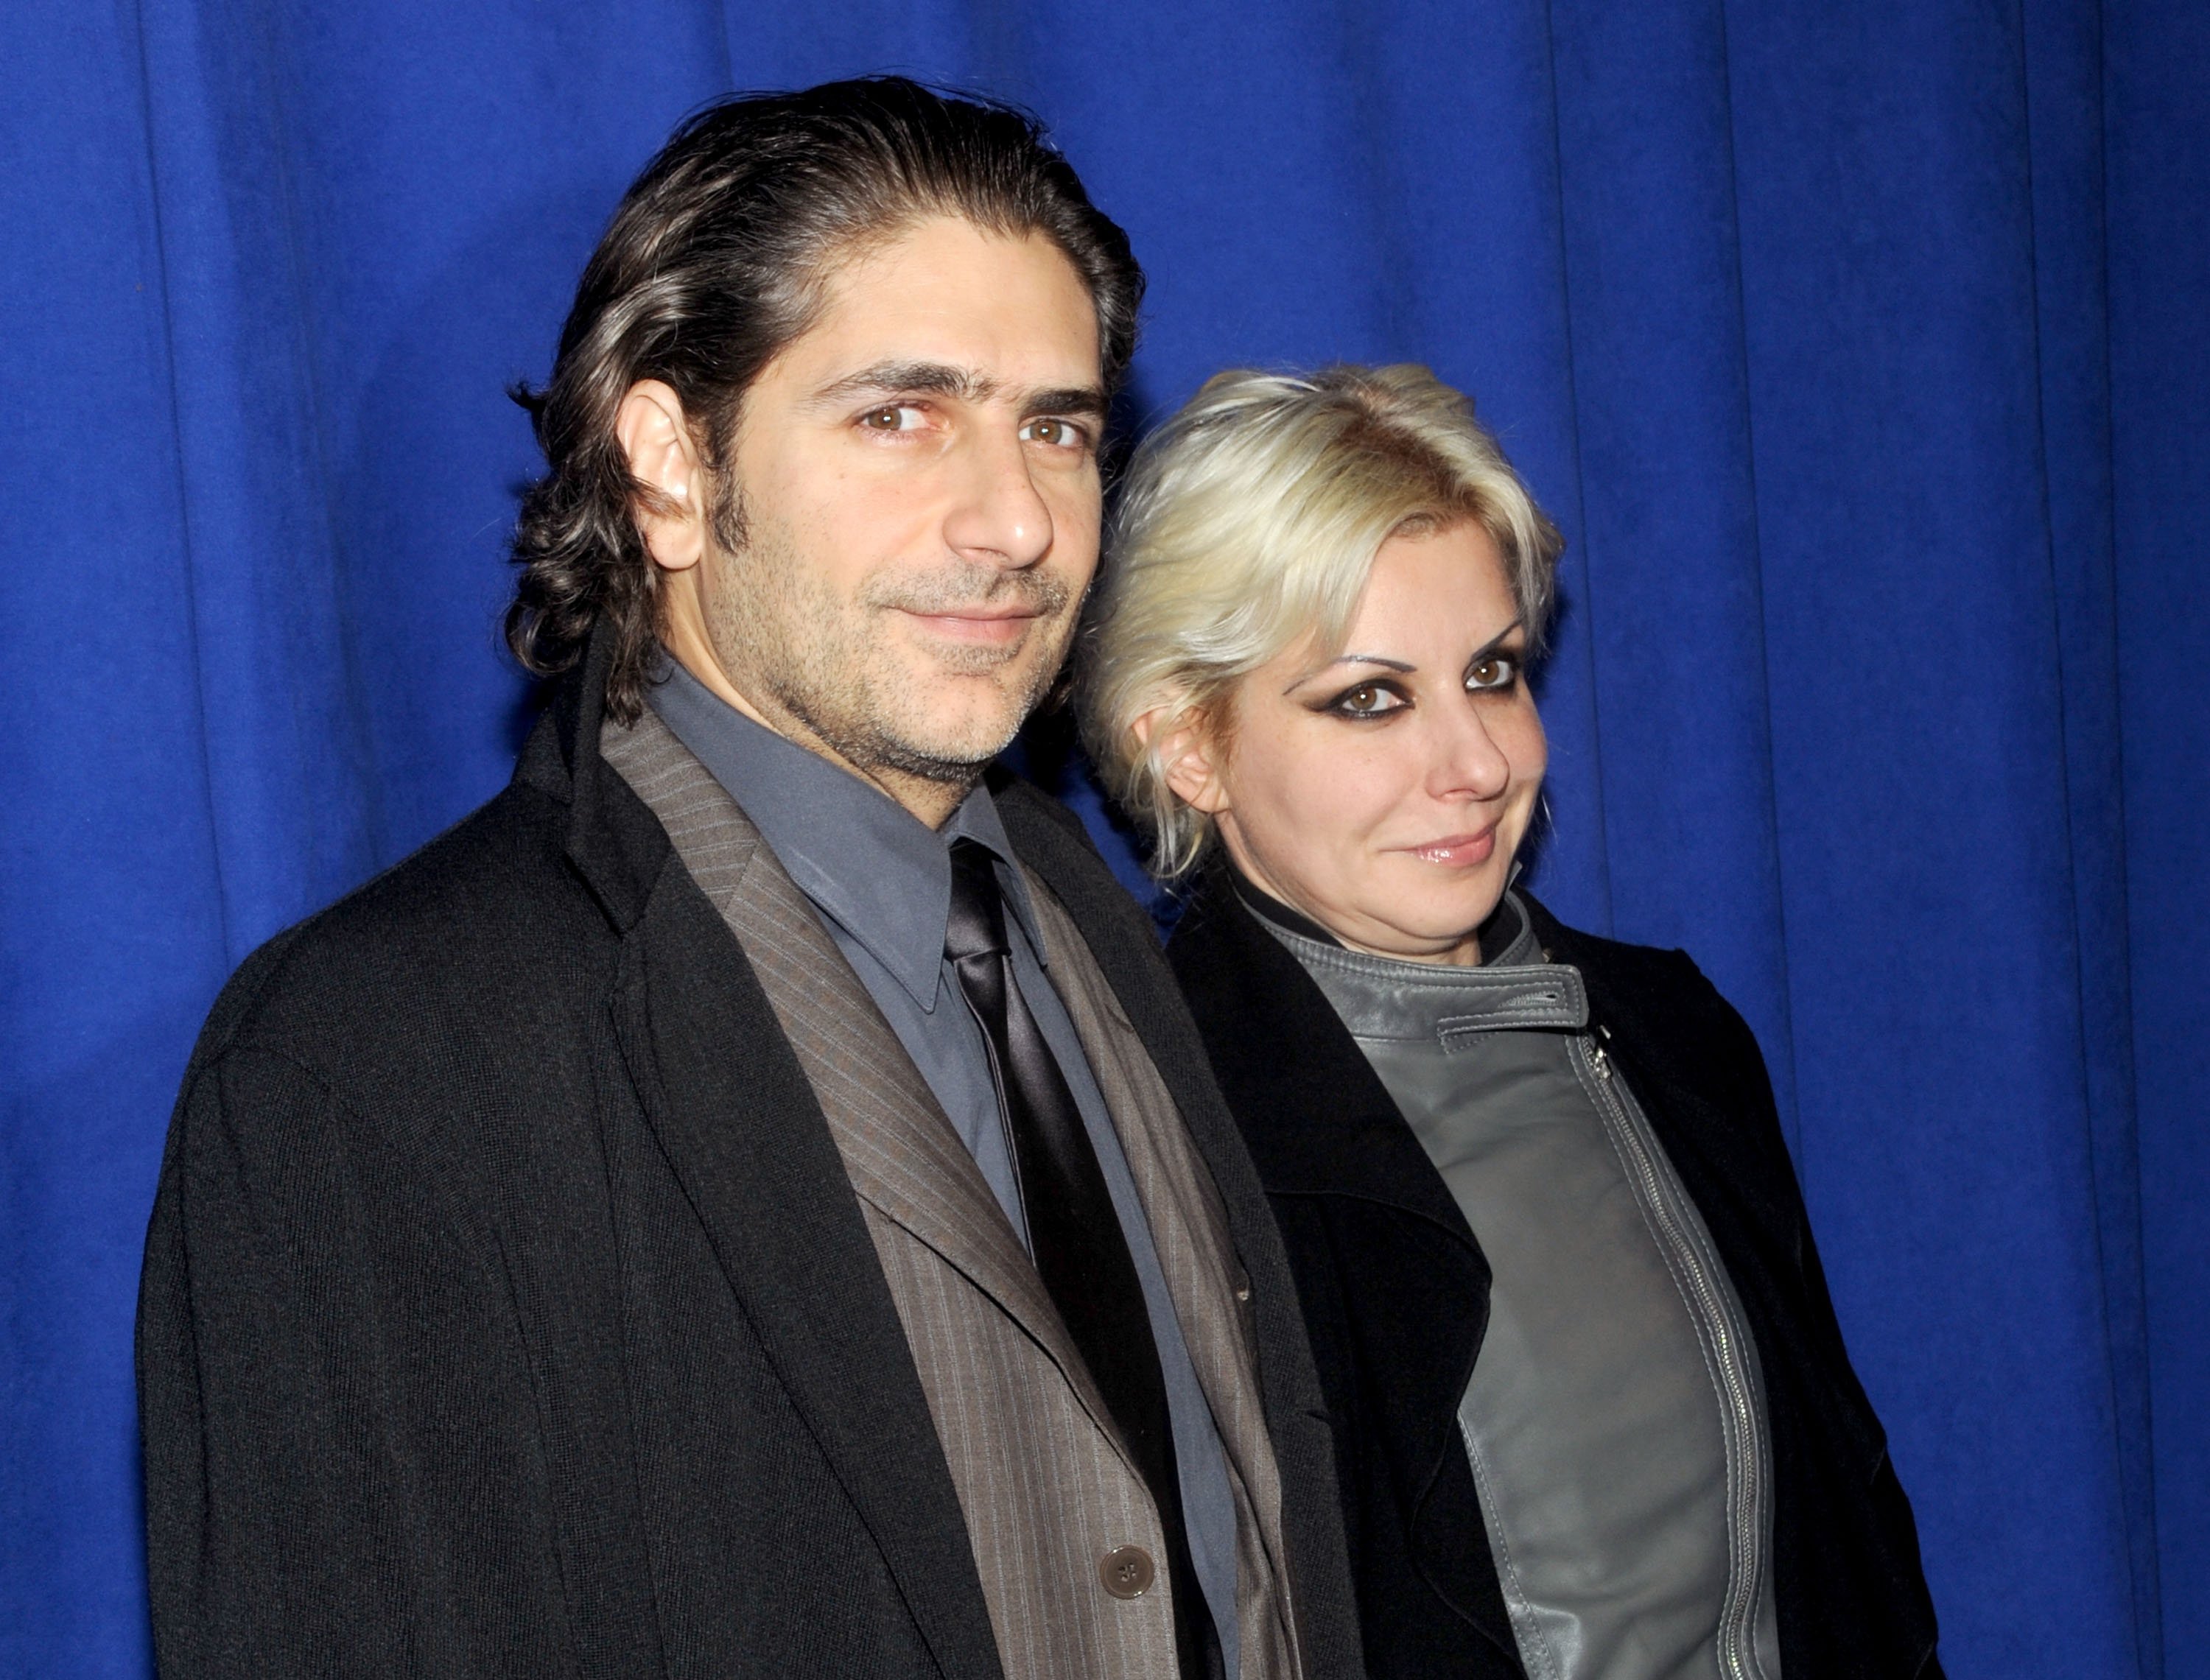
[(1395, 1293)]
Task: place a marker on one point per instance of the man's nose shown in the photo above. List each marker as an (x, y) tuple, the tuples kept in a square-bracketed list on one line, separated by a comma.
[(997, 517)]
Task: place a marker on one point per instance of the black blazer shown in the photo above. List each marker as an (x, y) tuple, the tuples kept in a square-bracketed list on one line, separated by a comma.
[(507, 1312), (1396, 1298)]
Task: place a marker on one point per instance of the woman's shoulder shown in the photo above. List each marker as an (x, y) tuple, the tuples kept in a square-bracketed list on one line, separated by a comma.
[(1656, 994), (1618, 960), (1212, 924), (1236, 975)]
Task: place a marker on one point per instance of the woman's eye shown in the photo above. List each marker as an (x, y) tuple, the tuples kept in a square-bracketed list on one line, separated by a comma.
[(892, 417), (1056, 434), (1496, 672), (1368, 699)]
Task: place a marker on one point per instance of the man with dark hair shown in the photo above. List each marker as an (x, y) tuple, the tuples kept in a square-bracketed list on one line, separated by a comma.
[(749, 1200)]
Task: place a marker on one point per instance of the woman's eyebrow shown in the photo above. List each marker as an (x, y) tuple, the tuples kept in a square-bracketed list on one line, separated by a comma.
[(1368, 659), (1401, 667), (1397, 666), (1489, 646)]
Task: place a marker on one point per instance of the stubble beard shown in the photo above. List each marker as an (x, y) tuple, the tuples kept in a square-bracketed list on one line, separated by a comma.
[(794, 648)]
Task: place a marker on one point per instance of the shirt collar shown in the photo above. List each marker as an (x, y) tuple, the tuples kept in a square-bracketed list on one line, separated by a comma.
[(874, 869)]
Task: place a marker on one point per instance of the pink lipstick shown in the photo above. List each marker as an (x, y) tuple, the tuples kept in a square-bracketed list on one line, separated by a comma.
[(1456, 851)]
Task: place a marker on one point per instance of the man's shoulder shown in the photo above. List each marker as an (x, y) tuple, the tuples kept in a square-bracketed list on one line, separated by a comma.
[(484, 911), (1056, 845), (1052, 841), (1024, 806)]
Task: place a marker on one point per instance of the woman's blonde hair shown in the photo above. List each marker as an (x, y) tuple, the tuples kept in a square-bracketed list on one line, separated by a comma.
[(1250, 521)]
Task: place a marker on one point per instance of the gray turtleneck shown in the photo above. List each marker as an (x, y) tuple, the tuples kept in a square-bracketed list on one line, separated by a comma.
[(1616, 1420)]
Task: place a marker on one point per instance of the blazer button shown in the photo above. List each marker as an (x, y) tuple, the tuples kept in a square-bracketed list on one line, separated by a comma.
[(1127, 1572)]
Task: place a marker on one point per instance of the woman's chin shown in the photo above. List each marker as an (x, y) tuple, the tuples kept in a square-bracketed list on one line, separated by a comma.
[(1443, 902), (1436, 934)]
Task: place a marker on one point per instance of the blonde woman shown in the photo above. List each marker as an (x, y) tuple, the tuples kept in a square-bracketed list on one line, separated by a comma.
[(1593, 1415)]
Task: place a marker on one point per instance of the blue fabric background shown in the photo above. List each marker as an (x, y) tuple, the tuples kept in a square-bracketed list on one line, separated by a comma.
[(1860, 350)]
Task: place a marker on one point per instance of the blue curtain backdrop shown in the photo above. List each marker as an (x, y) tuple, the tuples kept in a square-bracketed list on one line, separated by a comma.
[(1860, 350)]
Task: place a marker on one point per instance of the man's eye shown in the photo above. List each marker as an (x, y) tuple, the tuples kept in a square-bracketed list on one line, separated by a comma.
[(1368, 699), (1056, 434), (1497, 670), (892, 417)]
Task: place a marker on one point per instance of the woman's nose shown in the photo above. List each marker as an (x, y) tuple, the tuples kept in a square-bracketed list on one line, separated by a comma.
[(997, 517), (1468, 761)]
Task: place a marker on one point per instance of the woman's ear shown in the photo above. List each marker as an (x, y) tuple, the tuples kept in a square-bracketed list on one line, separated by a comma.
[(1187, 754), (656, 437)]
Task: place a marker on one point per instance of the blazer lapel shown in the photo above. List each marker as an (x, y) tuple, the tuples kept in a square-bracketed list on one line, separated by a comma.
[(900, 1150), (897, 1148), (737, 1122)]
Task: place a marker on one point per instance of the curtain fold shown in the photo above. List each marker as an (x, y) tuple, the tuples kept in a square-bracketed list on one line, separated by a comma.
[(1857, 351), (2156, 262)]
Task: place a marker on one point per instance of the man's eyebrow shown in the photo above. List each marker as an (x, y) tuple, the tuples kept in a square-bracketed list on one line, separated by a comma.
[(893, 379), (908, 379), (1071, 400)]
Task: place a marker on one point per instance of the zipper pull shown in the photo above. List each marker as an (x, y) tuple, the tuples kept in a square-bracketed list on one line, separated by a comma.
[(1600, 1061)]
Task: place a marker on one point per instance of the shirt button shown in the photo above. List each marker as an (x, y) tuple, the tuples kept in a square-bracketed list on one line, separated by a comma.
[(1127, 1572)]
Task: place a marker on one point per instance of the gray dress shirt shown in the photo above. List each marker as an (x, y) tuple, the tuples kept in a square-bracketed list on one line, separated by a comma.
[(881, 881), (1614, 1421)]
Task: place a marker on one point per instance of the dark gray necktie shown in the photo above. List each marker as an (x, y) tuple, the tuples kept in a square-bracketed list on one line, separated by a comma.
[(1080, 1250)]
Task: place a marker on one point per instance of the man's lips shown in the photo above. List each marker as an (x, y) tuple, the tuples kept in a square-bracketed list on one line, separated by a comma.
[(993, 625), (1456, 851)]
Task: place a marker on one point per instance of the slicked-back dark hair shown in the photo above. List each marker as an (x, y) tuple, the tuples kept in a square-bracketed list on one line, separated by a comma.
[(713, 263)]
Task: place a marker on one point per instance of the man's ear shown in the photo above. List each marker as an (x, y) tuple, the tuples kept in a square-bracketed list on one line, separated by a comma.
[(655, 436), (1187, 753)]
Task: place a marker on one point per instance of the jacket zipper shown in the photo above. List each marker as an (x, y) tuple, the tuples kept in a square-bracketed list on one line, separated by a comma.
[(1722, 1326)]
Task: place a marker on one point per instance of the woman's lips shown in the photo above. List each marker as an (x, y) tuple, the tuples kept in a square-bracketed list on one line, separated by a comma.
[(1456, 851)]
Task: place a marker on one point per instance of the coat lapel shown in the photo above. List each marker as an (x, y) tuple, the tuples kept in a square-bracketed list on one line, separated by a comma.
[(1331, 1128), (1322, 1127)]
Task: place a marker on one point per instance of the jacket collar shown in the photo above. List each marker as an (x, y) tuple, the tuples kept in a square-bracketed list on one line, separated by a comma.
[(613, 842), (867, 863)]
